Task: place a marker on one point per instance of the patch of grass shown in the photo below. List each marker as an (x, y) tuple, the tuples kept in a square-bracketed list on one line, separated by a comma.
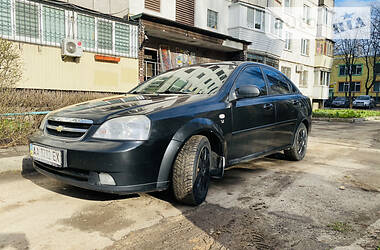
[(345, 113), (340, 226)]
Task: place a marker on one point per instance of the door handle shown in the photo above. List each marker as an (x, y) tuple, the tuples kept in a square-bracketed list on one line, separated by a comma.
[(268, 106)]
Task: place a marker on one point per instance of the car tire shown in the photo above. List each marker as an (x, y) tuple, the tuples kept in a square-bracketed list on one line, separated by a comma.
[(298, 149), (191, 171)]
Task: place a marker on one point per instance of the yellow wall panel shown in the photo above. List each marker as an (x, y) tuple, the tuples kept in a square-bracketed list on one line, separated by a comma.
[(43, 68)]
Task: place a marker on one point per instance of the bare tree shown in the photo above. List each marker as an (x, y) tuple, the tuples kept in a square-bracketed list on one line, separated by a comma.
[(349, 50), (10, 64), (371, 49)]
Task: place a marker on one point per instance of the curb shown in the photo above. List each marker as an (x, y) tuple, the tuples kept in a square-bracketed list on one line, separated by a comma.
[(349, 120), (22, 163)]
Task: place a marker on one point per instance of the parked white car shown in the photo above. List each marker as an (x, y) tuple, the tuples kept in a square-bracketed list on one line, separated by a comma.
[(363, 101)]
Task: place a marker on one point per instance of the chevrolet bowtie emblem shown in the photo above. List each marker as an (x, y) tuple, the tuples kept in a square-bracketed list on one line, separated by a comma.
[(59, 128)]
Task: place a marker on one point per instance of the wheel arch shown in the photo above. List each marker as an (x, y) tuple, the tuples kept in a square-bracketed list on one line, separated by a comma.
[(197, 126)]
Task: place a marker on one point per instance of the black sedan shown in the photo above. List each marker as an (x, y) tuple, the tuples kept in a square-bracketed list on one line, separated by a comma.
[(175, 131)]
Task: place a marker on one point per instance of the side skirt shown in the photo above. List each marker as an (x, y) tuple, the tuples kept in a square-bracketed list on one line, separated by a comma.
[(256, 155)]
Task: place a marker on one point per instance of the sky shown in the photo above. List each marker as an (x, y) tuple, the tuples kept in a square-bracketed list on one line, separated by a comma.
[(353, 3)]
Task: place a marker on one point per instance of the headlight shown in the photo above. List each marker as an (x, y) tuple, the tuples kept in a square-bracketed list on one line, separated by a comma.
[(125, 128), (42, 125)]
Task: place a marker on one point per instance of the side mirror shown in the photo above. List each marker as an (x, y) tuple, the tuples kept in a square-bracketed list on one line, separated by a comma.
[(247, 91)]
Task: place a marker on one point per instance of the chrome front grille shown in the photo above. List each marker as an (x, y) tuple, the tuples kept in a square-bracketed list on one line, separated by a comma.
[(71, 128)]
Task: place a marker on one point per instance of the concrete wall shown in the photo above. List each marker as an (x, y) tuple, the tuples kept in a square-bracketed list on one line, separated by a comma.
[(43, 68), (220, 6), (117, 8)]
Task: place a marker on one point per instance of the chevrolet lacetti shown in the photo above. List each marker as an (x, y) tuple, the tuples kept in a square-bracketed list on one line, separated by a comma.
[(175, 130)]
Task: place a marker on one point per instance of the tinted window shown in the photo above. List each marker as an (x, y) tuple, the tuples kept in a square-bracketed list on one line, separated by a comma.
[(276, 82), (252, 76), (293, 88)]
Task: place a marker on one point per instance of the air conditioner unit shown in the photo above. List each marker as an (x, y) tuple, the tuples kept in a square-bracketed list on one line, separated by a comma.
[(71, 47), (299, 68)]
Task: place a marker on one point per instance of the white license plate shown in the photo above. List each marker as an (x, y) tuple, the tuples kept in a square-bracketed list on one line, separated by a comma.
[(46, 155)]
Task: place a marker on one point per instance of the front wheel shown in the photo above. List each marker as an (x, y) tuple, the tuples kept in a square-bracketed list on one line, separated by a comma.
[(191, 171), (298, 150)]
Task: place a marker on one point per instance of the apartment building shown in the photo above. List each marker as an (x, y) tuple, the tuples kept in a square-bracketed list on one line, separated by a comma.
[(308, 52), (294, 36), (340, 82)]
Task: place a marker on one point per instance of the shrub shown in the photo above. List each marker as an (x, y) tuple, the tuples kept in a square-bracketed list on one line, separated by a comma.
[(345, 113), (10, 64), (15, 130)]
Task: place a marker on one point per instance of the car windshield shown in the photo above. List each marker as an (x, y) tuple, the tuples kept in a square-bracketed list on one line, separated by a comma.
[(200, 79), (340, 99), (362, 97)]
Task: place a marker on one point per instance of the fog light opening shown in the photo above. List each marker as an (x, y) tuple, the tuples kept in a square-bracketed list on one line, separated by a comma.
[(106, 179)]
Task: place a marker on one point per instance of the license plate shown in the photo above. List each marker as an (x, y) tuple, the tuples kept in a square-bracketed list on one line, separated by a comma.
[(46, 155)]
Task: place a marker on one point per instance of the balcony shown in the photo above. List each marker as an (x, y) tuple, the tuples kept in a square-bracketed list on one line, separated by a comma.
[(320, 92), (263, 41), (323, 31), (323, 61)]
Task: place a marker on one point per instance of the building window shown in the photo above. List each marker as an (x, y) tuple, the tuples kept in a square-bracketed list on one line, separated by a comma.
[(121, 38), (212, 19), (325, 16), (86, 31), (5, 18), (278, 27), (287, 71), (53, 24), (377, 68), (324, 78), (288, 40), (356, 70), (344, 87), (306, 14), (303, 78), (288, 5), (255, 19), (27, 20), (104, 30), (376, 87), (305, 47), (255, 58)]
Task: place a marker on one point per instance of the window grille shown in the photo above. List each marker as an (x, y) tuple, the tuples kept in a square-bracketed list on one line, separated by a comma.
[(32, 22), (27, 19), (53, 24), (104, 31), (5, 18), (86, 31), (121, 38)]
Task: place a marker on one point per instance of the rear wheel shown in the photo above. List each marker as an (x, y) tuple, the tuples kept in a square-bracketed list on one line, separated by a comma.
[(298, 150), (191, 171)]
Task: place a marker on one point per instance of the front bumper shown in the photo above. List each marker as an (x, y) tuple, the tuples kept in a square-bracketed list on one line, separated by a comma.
[(134, 165), (360, 105)]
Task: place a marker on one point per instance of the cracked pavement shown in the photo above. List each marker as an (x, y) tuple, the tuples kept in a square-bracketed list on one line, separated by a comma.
[(269, 203)]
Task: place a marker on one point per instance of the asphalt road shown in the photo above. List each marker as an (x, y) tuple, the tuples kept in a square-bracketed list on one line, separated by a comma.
[(331, 199)]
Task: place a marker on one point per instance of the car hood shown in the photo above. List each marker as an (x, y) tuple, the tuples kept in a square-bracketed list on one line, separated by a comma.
[(102, 109)]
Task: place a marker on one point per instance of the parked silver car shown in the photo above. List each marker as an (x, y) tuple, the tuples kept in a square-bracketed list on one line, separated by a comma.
[(364, 101)]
